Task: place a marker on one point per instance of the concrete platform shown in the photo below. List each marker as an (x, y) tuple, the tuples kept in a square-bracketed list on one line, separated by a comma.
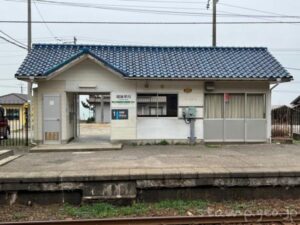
[(77, 147), (145, 172), (5, 153)]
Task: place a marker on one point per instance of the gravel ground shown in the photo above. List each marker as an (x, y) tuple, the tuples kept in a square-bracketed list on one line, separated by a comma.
[(62, 212)]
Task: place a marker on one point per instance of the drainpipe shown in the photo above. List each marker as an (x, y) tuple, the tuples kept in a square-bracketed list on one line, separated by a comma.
[(278, 81), (30, 83)]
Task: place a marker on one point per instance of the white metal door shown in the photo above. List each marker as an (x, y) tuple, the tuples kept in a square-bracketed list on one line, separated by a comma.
[(52, 119)]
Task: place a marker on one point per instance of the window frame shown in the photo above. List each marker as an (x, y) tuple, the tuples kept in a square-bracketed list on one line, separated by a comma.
[(264, 106), (225, 115), (223, 107), (158, 105), (11, 115)]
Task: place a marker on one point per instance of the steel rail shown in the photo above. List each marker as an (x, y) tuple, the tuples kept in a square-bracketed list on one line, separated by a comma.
[(174, 220)]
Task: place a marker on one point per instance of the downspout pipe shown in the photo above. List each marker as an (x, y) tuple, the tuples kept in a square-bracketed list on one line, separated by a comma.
[(30, 98), (278, 81)]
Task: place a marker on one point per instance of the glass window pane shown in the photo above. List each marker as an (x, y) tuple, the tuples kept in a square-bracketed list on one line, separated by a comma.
[(157, 105), (213, 106), (256, 106), (147, 104), (234, 106), (168, 105)]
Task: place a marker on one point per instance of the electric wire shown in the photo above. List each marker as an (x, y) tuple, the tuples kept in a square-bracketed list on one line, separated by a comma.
[(150, 23), (46, 25), (145, 9), (14, 43), (13, 39)]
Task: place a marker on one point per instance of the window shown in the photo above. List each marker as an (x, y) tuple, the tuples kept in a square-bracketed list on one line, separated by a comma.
[(157, 105), (256, 106), (214, 106), (234, 106), (13, 114)]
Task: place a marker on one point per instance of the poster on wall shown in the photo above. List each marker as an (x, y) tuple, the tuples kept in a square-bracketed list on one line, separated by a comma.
[(124, 99), (119, 114), (121, 105)]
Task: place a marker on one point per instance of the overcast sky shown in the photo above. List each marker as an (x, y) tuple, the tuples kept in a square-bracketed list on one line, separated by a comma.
[(283, 40)]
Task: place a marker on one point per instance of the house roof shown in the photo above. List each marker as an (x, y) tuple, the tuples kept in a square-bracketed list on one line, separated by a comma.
[(13, 99), (160, 62), (273, 107), (296, 101)]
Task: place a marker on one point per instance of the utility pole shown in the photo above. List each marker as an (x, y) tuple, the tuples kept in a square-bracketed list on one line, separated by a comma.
[(214, 32), (29, 42), (29, 37), (30, 81), (21, 88), (214, 21)]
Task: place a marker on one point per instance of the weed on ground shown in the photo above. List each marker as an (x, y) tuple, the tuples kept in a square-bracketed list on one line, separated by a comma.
[(163, 208)]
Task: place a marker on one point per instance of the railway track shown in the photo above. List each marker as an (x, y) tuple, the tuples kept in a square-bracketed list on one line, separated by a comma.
[(249, 219)]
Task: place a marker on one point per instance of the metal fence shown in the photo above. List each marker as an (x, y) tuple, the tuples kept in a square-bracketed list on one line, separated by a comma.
[(15, 127), (286, 123)]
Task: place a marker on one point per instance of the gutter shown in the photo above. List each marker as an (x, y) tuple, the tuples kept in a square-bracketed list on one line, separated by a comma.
[(25, 78)]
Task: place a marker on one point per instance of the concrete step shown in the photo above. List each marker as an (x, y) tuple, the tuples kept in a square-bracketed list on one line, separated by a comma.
[(8, 159), (5, 153), (76, 147)]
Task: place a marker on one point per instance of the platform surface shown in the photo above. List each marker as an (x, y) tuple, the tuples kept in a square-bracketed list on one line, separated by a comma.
[(156, 162), (77, 146)]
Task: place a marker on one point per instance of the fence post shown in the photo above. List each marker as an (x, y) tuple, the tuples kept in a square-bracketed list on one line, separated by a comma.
[(26, 126)]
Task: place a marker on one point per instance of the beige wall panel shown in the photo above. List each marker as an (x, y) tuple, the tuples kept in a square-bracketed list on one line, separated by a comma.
[(89, 76)]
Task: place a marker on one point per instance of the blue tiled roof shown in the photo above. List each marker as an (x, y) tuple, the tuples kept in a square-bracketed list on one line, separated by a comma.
[(160, 62)]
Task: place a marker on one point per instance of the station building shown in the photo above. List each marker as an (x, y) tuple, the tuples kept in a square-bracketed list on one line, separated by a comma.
[(150, 88)]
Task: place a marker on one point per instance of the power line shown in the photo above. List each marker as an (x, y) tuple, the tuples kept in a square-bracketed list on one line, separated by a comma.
[(292, 68), (251, 9), (150, 9), (92, 5), (11, 42), (13, 39), (150, 23), (285, 49), (138, 9), (46, 25)]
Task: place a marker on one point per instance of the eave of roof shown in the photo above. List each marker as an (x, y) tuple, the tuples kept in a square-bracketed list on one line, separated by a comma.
[(296, 101)]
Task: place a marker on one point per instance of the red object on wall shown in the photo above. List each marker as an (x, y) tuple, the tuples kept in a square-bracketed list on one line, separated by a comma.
[(226, 97)]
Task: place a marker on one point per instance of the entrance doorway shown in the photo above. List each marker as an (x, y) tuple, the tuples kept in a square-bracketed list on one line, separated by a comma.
[(92, 124)]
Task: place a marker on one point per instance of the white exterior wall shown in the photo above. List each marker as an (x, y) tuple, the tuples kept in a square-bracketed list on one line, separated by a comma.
[(152, 128), (89, 77), (47, 88)]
